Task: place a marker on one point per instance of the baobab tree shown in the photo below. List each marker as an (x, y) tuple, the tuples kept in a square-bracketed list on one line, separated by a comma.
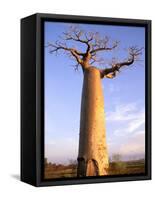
[(92, 156)]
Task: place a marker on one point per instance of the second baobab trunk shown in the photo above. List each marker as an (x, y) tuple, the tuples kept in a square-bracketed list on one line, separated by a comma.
[(93, 156)]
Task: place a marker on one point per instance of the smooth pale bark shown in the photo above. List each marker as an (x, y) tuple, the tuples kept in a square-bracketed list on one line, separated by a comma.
[(93, 156)]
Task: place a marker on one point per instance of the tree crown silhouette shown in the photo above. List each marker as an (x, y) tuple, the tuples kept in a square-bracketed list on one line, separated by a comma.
[(93, 44)]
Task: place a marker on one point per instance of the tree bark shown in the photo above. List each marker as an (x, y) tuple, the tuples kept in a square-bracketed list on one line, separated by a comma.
[(93, 155)]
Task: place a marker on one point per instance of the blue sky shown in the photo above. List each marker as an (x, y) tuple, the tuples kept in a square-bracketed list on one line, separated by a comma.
[(123, 96)]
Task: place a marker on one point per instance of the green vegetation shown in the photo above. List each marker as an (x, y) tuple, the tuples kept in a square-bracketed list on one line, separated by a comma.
[(116, 167)]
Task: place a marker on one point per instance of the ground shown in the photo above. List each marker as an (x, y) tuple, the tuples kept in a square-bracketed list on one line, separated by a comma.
[(115, 168)]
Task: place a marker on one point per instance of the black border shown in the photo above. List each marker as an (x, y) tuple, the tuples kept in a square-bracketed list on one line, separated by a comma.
[(41, 18)]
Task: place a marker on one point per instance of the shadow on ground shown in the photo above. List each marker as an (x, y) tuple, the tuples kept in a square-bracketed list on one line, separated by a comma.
[(16, 176)]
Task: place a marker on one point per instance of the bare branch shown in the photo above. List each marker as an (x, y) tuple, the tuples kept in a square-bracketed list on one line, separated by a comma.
[(62, 46), (111, 72), (78, 36), (78, 59), (95, 59), (76, 66), (134, 51), (94, 44), (104, 46)]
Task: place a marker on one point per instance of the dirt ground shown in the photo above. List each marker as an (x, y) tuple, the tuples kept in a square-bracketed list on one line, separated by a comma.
[(115, 168)]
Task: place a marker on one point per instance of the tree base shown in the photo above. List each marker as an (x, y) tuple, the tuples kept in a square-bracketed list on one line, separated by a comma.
[(90, 168)]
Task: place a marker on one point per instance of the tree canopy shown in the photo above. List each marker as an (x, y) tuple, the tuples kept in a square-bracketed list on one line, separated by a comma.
[(93, 43)]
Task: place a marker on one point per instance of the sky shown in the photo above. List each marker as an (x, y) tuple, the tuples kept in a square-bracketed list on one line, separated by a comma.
[(124, 96)]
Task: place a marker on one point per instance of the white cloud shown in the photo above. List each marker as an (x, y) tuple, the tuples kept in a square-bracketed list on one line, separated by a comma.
[(135, 124), (122, 112), (140, 132), (132, 125), (128, 139), (129, 117)]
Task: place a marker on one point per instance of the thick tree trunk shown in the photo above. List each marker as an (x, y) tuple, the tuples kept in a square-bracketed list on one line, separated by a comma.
[(93, 156)]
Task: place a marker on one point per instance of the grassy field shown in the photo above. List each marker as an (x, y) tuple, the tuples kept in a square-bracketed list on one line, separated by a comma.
[(115, 168), (129, 167), (60, 171)]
